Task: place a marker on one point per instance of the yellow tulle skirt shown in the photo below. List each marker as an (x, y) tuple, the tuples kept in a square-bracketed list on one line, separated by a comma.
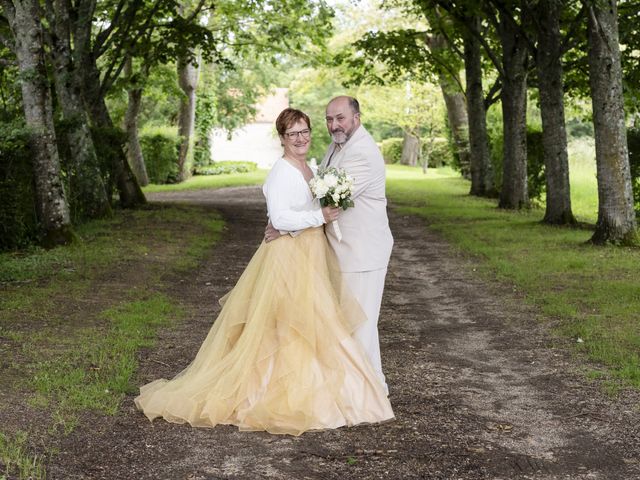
[(280, 356)]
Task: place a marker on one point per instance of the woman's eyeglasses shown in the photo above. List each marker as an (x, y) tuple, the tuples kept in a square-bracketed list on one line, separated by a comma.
[(304, 133)]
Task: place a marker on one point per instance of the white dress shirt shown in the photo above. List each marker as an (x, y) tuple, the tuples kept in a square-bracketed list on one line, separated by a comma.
[(290, 204)]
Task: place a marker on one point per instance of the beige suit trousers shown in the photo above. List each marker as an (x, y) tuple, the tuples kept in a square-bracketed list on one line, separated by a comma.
[(367, 287)]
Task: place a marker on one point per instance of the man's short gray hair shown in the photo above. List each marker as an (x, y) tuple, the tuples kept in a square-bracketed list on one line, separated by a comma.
[(354, 104)]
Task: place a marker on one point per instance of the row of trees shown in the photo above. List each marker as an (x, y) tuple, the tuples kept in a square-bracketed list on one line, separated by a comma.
[(69, 56), (505, 47), (85, 67)]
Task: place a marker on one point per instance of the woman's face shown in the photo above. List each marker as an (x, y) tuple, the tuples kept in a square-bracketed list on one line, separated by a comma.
[(297, 140)]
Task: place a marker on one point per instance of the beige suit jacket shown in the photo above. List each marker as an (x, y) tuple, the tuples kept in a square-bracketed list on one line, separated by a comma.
[(366, 238)]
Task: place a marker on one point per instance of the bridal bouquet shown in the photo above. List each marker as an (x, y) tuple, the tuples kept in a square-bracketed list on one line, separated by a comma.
[(333, 187)]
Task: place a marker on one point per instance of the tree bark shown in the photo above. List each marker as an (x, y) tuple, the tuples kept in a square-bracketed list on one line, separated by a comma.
[(554, 135), (87, 185), (482, 182), (134, 150), (456, 105), (128, 188), (52, 206), (616, 218), (514, 193), (458, 123), (188, 81), (410, 150)]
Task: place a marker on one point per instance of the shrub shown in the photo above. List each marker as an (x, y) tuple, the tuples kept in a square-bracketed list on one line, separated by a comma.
[(219, 168), (441, 152), (633, 141), (536, 179), (577, 128), (201, 152), (109, 144), (160, 148), (18, 219), (391, 150)]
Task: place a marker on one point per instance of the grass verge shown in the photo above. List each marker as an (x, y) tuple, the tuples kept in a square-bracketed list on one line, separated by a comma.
[(593, 292), (73, 318), (17, 460), (200, 182)]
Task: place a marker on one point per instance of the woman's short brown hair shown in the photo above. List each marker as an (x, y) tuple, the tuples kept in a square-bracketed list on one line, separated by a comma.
[(288, 117)]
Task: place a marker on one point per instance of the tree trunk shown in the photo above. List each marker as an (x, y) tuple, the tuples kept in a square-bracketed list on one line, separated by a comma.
[(134, 150), (514, 193), (480, 161), (554, 135), (458, 123), (87, 185), (410, 150), (455, 103), (128, 188), (616, 218), (188, 81), (52, 206)]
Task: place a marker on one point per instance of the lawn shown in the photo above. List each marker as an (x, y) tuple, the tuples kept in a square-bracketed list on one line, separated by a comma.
[(201, 182), (592, 294)]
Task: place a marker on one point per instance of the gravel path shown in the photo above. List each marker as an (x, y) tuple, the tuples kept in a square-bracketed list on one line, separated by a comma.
[(480, 391)]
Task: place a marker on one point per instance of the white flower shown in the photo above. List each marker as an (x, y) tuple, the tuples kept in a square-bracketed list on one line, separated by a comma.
[(320, 188), (332, 186), (330, 180)]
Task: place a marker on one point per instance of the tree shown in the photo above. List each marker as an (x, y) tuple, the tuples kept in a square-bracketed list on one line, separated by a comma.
[(453, 94), (513, 69), (482, 182), (548, 57), (188, 73), (51, 204), (416, 107), (435, 54), (134, 104), (616, 217), (87, 188), (123, 29)]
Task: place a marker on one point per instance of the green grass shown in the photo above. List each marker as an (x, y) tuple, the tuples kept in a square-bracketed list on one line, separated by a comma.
[(593, 292), (78, 359), (93, 369), (582, 175), (72, 318), (17, 460), (201, 182)]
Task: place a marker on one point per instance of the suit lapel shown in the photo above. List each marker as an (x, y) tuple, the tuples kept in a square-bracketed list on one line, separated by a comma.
[(339, 155), (327, 155)]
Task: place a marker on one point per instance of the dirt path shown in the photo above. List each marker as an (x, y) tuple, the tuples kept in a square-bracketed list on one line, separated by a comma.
[(478, 389)]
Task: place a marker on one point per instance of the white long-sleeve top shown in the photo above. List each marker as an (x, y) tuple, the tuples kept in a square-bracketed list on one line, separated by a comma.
[(290, 204)]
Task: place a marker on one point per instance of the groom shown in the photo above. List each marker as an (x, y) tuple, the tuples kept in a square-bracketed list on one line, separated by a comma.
[(365, 248)]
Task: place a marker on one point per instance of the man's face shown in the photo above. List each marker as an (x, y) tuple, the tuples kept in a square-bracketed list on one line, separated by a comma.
[(341, 121)]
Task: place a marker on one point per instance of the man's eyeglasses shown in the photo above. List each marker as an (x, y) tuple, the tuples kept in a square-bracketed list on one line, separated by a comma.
[(304, 133)]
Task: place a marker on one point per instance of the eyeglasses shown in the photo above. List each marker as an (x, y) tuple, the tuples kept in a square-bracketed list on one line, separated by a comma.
[(304, 133)]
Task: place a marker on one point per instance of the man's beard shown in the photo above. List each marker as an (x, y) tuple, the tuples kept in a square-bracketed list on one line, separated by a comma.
[(339, 137)]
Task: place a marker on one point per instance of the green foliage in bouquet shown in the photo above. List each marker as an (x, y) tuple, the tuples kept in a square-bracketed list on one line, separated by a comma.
[(333, 188)]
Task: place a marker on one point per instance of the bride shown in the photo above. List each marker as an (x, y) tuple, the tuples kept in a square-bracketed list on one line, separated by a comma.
[(280, 356)]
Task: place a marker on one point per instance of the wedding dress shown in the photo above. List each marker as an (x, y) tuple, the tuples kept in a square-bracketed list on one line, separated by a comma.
[(280, 356)]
